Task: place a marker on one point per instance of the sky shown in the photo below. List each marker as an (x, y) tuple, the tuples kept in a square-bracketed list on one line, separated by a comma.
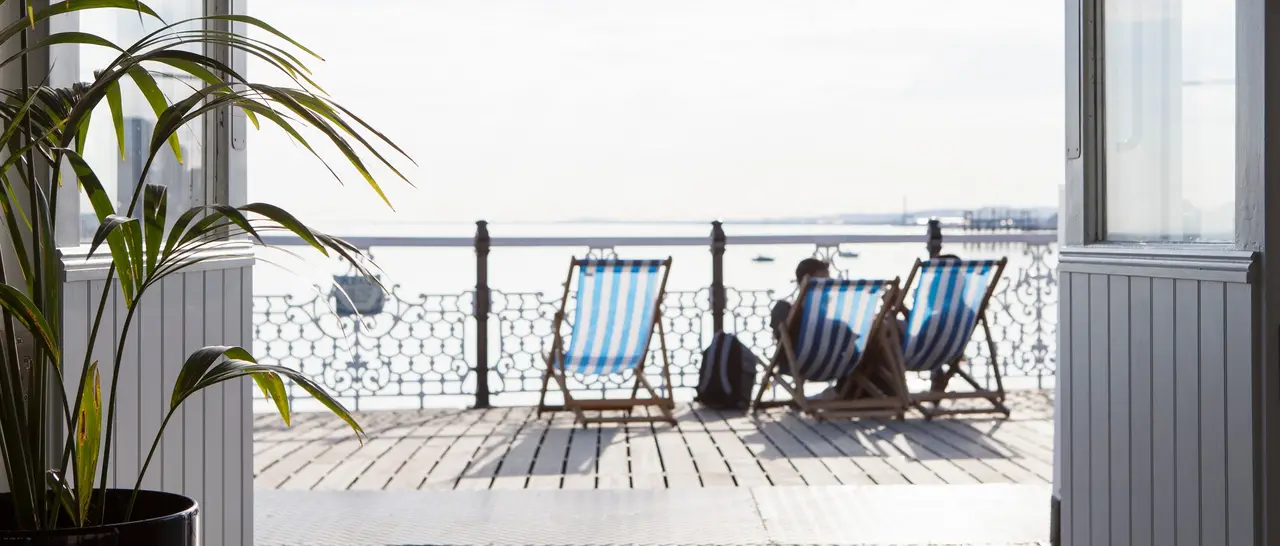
[(549, 110)]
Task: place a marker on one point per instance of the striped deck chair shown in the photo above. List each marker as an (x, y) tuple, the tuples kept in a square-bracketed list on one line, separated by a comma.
[(831, 324), (617, 311), (949, 303)]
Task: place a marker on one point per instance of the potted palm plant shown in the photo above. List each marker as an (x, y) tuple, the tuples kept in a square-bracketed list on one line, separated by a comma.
[(61, 495)]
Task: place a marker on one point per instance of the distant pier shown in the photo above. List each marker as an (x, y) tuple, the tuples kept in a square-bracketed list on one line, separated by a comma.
[(995, 220)]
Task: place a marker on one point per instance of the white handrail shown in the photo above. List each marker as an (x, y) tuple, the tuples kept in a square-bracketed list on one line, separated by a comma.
[(1033, 237)]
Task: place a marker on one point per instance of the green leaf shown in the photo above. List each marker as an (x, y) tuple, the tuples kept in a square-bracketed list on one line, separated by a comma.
[(180, 228), (329, 402), (98, 197), (13, 213), (105, 228), (154, 203), (316, 119), (101, 201), (273, 389), (58, 7), (349, 253), (133, 241), (371, 129), (82, 133), (197, 365), (238, 218), (264, 26), (288, 221), (117, 117), (194, 69), (250, 107), (174, 117), (178, 58), (88, 440), (151, 91), (231, 369), (209, 366), (30, 316), (82, 38), (210, 224), (253, 118), (66, 498)]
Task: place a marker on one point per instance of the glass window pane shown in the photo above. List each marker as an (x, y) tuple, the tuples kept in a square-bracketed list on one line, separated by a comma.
[(1170, 99), (184, 179)]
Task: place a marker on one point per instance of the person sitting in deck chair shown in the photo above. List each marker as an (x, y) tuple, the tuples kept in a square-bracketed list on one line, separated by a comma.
[(815, 268)]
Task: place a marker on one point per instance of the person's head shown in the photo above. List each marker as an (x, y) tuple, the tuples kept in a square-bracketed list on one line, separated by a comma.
[(812, 267)]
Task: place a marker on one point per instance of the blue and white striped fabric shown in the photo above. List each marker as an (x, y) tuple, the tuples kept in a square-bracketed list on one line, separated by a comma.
[(835, 323), (617, 300), (944, 310)]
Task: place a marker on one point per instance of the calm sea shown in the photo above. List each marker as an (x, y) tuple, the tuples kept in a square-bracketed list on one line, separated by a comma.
[(436, 270)]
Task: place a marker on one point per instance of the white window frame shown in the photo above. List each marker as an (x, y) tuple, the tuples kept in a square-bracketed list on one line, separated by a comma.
[(1084, 202), (224, 177)]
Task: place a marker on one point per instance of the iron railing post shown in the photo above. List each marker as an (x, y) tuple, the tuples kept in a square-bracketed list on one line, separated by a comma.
[(935, 238), (718, 296), (482, 299)]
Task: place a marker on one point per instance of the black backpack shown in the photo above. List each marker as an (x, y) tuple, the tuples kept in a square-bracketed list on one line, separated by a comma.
[(728, 374)]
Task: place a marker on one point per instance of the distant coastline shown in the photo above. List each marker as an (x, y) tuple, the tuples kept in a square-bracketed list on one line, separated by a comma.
[(992, 218), (1028, 217)]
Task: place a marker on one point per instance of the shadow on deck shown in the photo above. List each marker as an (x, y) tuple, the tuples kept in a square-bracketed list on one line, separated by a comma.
[(509, 448)]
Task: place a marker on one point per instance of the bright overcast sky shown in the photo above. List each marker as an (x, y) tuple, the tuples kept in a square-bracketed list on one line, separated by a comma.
[(536, 110)]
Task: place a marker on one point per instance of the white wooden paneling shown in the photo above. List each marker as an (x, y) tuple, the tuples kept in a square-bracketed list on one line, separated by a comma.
[(1157, 416), (214, 415), (152, 406), (207, 450), (173, 298), (1119, 394), (193, 433), (1213, 412), (1243, 496), (1064, 411), (1140, 439), (246, 417)]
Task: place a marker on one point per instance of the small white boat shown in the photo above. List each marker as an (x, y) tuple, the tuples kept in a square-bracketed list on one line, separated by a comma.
[(847, 254)]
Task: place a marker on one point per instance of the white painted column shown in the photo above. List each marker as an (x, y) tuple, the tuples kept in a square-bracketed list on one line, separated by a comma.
[(206, 452)]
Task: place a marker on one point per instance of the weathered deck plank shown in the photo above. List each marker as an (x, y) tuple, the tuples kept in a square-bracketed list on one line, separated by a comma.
[(677, 462), (379, 474), (841, 466), (614, 467), (874, 466), (437, 441), (646, 463), (504, 448), (513, 473), (877, 442), (580, 463), (971, 445), (500, 423), (713, 468)]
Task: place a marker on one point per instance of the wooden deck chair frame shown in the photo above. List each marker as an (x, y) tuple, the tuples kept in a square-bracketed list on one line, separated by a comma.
[(952, 368), (873, 402), (556, 367)]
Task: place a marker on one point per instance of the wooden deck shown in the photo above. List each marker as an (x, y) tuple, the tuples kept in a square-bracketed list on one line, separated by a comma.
[(508, 448)]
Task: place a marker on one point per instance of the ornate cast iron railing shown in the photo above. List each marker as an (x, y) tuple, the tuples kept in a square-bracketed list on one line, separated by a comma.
[(420, 346)]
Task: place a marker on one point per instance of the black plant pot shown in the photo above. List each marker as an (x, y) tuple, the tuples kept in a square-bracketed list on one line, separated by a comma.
[(159, 519)]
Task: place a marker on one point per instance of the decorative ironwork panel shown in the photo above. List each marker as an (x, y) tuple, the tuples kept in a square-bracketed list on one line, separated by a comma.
[(422, 345), (751, 311), (1023, 313), (416, 347)]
